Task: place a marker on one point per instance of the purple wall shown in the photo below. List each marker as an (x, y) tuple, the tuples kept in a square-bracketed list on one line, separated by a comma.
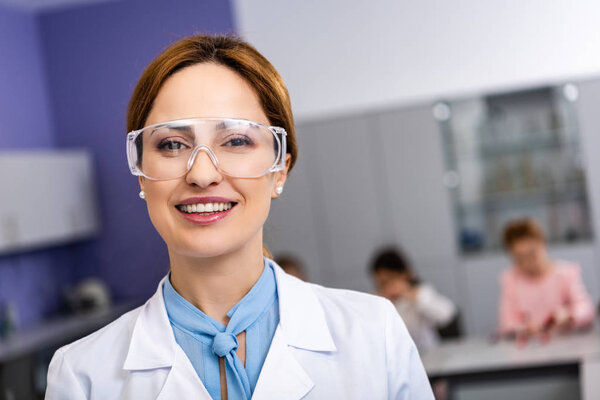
[(24, 113), (92, 57), (31, 281)]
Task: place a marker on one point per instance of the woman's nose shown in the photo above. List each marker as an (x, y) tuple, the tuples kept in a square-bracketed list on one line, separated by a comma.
[(203, 170)]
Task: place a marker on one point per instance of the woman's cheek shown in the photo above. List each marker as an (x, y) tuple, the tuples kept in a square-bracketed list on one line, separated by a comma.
[(158, 208)]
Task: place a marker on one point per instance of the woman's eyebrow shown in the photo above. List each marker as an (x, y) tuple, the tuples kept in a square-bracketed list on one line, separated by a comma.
[(186, 130), (222, 125), (182, 128)]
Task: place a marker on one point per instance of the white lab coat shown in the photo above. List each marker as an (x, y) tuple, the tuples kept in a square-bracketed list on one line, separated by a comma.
[(329, 344)]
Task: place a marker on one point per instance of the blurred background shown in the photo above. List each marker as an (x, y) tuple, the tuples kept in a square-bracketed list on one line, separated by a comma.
[(425, 125)]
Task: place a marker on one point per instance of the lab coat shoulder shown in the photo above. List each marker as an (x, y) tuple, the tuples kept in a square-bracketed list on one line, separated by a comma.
[(387, 359), (349, 307), (92, 363)]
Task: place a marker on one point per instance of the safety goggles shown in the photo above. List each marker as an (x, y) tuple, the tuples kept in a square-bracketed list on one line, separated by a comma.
[(237, 147)]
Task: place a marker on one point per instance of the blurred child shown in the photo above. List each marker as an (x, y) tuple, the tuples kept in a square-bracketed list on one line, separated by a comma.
[(539, 295), (422, 308)]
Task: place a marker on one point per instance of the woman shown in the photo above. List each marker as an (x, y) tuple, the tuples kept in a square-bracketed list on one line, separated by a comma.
[(422, 308), (212, 140), (539, 295)]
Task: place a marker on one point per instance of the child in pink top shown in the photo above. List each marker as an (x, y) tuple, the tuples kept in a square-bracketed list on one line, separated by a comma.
[(539, 295)]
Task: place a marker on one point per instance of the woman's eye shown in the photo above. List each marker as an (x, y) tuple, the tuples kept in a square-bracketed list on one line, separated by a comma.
[(238, 141), (171, 145)]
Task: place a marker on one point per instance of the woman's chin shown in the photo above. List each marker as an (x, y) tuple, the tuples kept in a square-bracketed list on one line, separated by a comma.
[(203, 248)]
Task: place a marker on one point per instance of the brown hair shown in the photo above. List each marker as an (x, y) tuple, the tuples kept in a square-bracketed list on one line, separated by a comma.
[(520, 229), (226, 50), (231, 52)]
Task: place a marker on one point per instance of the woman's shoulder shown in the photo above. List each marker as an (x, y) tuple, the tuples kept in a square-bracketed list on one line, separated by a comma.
[(93, 363), (344, 302), (346, 298), (354, 306), (114, 336)]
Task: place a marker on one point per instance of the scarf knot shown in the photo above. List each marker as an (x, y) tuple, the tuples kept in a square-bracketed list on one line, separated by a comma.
[(224, 343)]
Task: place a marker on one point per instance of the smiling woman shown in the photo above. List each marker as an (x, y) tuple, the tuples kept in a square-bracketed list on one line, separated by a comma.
[(211, 139)]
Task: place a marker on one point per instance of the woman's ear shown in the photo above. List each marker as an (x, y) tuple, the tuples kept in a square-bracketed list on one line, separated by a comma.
[(141, 181), (280, 178)]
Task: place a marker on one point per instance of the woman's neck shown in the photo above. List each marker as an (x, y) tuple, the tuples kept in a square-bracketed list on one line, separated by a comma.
[(216, 284)]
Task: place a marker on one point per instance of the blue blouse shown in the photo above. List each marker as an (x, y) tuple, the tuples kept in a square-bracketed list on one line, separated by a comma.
[(204, 340)]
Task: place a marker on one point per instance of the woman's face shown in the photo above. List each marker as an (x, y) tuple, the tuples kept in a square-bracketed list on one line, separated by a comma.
[(209, 90)]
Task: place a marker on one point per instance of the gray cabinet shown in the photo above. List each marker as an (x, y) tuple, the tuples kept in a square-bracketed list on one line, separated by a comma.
[(418, 202), (349, 196)]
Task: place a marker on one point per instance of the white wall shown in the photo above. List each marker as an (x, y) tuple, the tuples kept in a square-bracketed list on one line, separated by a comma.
[(341, 56)]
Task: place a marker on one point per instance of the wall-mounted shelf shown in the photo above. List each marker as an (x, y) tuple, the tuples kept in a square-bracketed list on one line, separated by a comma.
[(47, 198)]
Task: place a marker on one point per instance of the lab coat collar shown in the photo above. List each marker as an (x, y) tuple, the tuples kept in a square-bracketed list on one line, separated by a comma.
[(152, 342), (301, 318), (301, 315)]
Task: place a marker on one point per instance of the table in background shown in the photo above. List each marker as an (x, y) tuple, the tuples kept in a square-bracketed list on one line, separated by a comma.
[(567, 367), (24, 357)]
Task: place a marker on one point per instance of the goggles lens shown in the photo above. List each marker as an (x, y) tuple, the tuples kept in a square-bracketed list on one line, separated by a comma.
[(238, 148)]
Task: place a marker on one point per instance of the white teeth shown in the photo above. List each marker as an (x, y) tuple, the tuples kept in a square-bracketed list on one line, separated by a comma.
[(205, 207)]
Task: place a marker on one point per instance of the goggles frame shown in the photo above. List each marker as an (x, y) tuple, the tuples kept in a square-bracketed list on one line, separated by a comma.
[(278, 164)]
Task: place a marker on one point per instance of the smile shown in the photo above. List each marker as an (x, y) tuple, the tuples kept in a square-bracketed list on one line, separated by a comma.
[(205, 208)]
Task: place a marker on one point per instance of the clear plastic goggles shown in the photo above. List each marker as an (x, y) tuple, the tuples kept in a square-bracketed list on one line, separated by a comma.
[(237, 147)]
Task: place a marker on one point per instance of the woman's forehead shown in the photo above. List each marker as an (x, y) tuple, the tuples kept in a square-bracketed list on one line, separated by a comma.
[(206, 90)]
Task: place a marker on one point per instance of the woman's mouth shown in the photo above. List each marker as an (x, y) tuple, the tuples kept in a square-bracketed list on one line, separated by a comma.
[(204, 208), (205, 211)]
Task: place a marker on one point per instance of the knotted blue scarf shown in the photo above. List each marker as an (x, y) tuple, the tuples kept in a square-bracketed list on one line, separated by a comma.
[(204, 339)]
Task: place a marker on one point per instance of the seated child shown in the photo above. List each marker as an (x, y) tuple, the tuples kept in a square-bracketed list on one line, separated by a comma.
[(421, 307), (538, 294)]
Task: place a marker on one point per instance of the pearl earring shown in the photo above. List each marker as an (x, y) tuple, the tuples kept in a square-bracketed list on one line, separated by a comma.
[(142, 195), (279, 189)]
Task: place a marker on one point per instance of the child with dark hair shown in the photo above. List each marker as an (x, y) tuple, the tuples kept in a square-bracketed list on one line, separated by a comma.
[(422, 308)]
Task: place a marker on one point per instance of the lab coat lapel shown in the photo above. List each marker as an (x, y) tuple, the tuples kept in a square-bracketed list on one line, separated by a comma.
[(302, 327), (153, 350), (183, 382), (301, 314), (152, 343), (281, 377)]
